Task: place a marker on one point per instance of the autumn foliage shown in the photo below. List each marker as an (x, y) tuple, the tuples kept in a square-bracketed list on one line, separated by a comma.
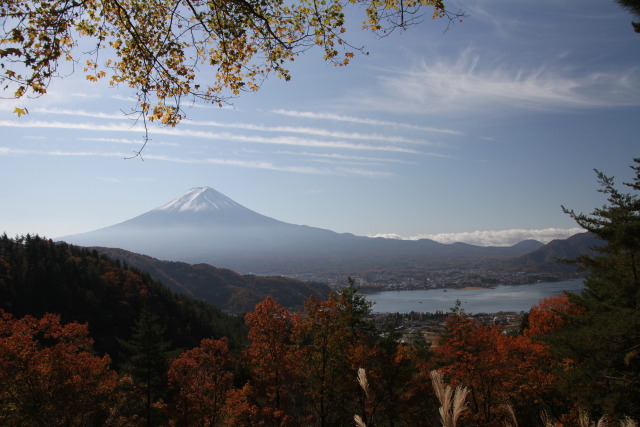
[(498, 368), (49, 374), (299, 369), (295, 369), (200, 378), (551, 314)]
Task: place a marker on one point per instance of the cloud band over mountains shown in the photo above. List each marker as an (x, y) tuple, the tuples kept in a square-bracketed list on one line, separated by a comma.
[(494, 237)]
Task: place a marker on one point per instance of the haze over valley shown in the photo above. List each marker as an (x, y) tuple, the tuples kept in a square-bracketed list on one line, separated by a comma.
[(205, 226)]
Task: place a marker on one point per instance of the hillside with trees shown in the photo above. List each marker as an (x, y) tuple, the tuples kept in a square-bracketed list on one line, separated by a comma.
[(38, 276), (221, 287)]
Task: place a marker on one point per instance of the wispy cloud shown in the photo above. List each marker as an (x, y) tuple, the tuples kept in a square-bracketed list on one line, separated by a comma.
[(82, 113), (314, 131), (115, 127), (131, 120), (271, 166), (476, 84), (331, 157), (112, 180), (494, 237), (19, 151), (250, 164), (127, 141), (364, 121), (244, 164), (365, 172), (224, 136)]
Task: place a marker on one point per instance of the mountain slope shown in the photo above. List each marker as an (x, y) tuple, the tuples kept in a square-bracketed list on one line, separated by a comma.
[(204, 226), (547, 257), (221, 287)]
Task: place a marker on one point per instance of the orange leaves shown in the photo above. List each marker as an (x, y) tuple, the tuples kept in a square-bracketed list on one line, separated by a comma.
[(551, 314), (496, 367), (270, 324), (303, 365), (270, 356), (201, 377), (50, 375)]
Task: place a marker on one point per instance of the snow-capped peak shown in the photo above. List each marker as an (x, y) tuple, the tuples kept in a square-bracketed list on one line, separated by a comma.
[(199, 199)]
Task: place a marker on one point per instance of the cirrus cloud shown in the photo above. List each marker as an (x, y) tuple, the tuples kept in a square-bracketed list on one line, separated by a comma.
[(473, 82)]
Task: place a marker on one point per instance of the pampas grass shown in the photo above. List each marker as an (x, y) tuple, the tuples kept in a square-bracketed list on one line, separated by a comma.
[(363, 381), (453, 404), (452, 401), (359, 422), (584, 420), (364, 384), (512, 414)]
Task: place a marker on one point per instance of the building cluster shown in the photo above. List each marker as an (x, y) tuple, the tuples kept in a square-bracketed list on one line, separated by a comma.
[(427, 327), (431, 279)]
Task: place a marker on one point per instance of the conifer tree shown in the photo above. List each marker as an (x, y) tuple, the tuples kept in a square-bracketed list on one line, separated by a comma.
[(603, 344), (147, 364)]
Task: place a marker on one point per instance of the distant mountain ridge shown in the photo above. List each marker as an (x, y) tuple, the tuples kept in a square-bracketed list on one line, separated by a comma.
[(548, 257), (205, 226)]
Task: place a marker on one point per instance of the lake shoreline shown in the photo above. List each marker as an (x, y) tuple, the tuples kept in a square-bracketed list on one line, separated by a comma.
[(473, 299)]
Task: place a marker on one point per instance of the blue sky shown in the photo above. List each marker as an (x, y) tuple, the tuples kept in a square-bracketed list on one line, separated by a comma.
[(476, 134)]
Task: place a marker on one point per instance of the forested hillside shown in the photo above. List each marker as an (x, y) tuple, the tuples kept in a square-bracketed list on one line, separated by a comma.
[(225, 289), (38, 276)]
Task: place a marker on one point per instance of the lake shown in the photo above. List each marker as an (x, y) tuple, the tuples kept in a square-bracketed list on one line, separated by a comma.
[(501, 298)]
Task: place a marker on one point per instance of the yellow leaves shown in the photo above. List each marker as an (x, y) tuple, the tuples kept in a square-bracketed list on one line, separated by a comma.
[(38, 88), (162, 51), (20, 91), (20, 111)]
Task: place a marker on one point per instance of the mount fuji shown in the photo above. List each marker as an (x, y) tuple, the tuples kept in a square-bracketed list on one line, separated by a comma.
[(205, 226)]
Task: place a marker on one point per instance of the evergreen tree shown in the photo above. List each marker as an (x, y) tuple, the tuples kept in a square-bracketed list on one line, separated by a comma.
[(632, 6), (602, 346), (355, 309), (147, 363)]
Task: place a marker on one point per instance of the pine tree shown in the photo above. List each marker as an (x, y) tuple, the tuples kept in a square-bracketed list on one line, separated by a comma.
[(603, 344), (147, 364)]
